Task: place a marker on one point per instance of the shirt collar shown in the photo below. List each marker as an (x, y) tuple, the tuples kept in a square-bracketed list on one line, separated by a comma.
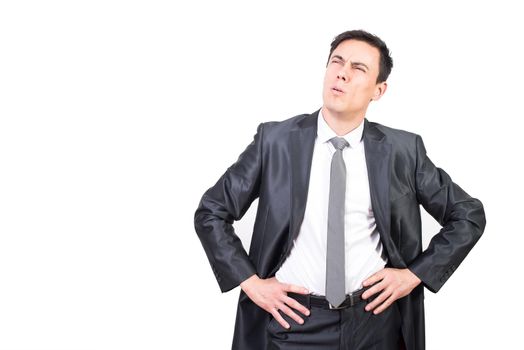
[(325, 133)]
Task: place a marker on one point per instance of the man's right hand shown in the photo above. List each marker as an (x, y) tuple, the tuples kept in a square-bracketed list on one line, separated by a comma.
[(271, 295)]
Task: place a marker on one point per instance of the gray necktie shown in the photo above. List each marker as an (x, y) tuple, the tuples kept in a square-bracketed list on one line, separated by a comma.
[(335, 271)]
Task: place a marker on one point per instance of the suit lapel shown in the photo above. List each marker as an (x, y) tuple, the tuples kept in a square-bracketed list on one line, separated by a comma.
[(378, 158), (301, 144)]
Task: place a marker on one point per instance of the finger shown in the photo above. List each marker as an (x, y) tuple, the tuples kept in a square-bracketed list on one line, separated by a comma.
[(374, 290), (287, 310), (374, 278), (296, 305), (378, 300), (279, 318), (294, 289), (385, 305)]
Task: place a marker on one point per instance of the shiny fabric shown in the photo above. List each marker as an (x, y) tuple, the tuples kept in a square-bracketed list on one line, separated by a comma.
[(275, 168)]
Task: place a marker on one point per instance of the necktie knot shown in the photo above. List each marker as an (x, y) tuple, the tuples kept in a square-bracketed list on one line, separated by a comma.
[(339, 143)]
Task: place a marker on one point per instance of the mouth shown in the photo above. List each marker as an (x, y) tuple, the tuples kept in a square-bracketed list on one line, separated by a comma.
[(337, 90)]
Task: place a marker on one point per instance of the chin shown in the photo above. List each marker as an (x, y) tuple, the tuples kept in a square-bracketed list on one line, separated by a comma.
[(334, 108)]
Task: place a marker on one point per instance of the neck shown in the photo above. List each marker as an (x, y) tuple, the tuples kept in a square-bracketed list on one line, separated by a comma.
[(341, 124)]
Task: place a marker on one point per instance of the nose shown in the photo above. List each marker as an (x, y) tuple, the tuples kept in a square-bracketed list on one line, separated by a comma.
[(342, 74)]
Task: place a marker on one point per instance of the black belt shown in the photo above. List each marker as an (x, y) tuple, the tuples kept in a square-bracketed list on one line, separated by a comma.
[(309, 300)]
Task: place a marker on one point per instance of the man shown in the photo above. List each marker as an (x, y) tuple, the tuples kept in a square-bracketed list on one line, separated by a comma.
[(336, 258)]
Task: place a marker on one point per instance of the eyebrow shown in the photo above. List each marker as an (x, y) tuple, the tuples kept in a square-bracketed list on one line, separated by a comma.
[(352, 63)]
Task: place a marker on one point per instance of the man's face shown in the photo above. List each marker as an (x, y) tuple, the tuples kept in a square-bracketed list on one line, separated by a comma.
[(350, 79)]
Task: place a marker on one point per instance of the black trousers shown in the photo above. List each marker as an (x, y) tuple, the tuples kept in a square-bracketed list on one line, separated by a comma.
[(352, 328)]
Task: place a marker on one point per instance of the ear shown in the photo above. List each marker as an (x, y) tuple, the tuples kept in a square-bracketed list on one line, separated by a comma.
[(380, 89)]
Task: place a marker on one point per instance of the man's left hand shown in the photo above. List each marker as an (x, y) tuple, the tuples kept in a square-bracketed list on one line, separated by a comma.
[(392, 284)]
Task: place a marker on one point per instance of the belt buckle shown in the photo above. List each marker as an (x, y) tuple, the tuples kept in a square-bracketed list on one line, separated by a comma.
[(342, 306), (348, 302)]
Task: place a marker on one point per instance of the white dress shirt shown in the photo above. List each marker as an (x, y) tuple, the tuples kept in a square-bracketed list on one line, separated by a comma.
[(306, 264)]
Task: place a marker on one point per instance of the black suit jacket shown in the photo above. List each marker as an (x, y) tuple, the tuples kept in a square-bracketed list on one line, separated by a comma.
[(275, 168)]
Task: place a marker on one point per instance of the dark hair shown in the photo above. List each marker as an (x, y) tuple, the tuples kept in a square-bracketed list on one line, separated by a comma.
[(386, 62)]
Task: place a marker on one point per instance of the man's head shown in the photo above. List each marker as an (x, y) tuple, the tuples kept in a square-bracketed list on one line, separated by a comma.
[(359, 64), (385, 62)]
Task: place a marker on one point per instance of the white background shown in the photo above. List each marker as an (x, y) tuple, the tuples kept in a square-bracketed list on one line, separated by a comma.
[(116, 116)]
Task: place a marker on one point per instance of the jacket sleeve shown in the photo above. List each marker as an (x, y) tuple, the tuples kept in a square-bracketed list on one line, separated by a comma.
[(225, 202), (461, 217)]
